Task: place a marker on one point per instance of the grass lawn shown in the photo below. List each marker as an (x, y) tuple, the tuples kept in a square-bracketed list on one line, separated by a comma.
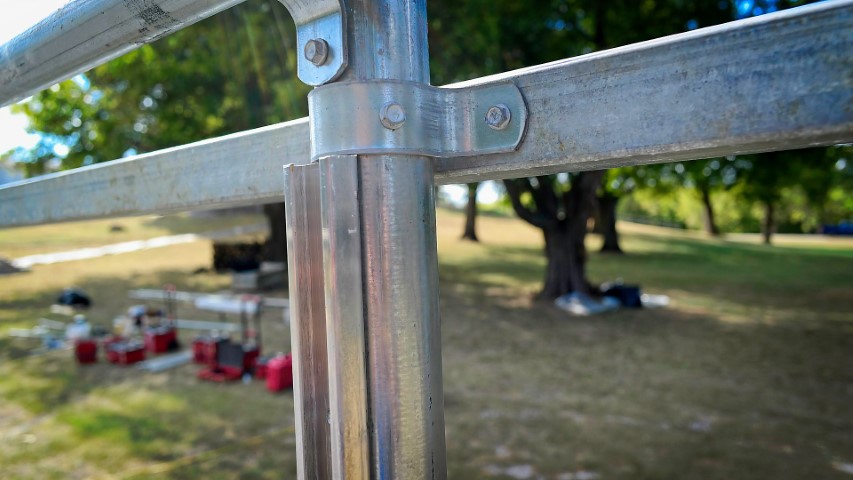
[(747, 375)]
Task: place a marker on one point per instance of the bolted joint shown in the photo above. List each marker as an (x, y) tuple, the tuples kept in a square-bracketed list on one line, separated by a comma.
[(392, 115), (316, 51), (498, 116), (415, 119)]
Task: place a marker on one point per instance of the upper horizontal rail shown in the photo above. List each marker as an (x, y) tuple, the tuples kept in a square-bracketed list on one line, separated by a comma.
[(87, 33), (775, 82)]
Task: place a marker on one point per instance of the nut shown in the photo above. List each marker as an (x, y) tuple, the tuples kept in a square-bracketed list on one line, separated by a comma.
[(498, 116), (316, 51), (392, 115)]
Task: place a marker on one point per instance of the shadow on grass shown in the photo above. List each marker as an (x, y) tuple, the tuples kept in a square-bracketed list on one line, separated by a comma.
[(636, 394)]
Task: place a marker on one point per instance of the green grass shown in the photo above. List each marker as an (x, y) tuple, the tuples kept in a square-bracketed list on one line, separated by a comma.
[(747, 375)]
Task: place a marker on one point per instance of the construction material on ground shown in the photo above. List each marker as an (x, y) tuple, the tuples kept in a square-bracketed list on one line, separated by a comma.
[(35, 332), (269, 275), (190, 297), (654, 301), (578, 303), (51, 324), (206, 325), (166, 362)]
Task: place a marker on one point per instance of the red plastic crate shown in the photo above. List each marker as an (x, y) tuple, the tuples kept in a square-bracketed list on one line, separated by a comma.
[(280, 373)]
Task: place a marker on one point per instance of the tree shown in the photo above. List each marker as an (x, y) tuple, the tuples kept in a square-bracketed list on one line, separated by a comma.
[(706, 177), (500, 35), (813, 171), (229, 73), (560, 209), (470, 232)]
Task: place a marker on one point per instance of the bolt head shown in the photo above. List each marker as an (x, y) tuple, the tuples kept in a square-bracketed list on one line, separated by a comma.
[(498, 116), (316, 51), (392, 115)]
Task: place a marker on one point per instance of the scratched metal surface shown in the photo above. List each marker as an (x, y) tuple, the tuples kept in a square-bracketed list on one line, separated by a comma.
[(774, 82), (86, 33)]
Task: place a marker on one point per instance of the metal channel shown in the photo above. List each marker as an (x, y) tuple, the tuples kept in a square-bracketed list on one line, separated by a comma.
[(308, 321), (228, 171), (399, 267), (775, 82), (345, 317), (86, 33)]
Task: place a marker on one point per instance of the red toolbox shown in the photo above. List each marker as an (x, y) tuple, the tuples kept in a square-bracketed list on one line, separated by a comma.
[(280, 373), (86, 351), (160, 339), (126, 353)]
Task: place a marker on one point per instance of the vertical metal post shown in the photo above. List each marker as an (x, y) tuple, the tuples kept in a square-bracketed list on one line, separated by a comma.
[(308, 321), (382, 294)]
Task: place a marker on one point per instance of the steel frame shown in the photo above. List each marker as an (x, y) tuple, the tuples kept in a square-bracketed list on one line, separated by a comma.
[(361, 219)]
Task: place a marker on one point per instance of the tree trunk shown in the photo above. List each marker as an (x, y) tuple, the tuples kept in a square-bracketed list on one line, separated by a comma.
[(564, 228), (275, 248), (470, 232), (769, 223), (566, 268), (607, 218), (710, 224)]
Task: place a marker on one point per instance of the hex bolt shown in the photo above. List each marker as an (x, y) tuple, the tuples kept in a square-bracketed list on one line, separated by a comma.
[(392, 115), (498, 117), (316, 51)]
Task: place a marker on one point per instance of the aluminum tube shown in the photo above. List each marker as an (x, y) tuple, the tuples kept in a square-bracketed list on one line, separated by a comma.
[(87, 33), (345, 317), (399, 267), (307, 321)]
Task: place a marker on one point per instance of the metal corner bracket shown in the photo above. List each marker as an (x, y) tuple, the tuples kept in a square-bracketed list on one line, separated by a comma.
[(407, 118), (320, 38)]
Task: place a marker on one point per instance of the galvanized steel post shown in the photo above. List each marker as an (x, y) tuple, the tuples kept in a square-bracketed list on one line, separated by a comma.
[(386, 412), (382, 296)]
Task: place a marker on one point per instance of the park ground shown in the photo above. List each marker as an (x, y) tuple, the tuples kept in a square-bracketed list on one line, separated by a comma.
[(748, 374)]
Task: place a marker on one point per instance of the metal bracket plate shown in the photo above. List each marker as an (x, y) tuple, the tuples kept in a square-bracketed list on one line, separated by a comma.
[(394, 117), (320, 38)]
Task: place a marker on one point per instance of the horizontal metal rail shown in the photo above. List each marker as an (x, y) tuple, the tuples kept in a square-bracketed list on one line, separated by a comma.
[(775, 82), (87, 33), (234, 170)]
